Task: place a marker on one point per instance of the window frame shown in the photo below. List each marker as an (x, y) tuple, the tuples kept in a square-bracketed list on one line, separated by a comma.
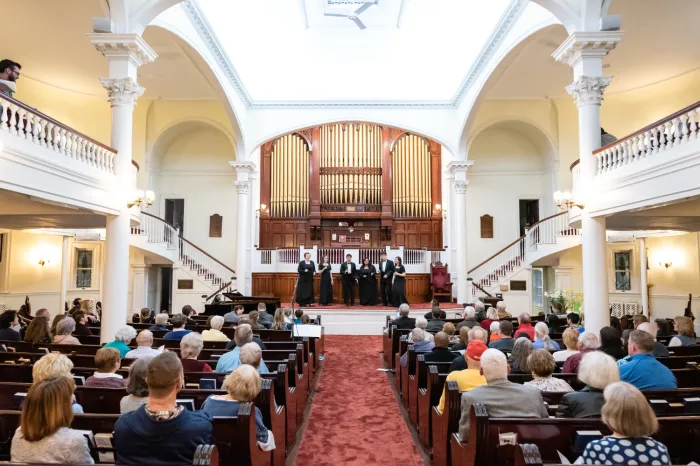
[(96, 277)]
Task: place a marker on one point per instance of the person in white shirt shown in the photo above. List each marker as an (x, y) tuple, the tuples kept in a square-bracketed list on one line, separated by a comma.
[(144, 340), (215, 333), (570, 337)]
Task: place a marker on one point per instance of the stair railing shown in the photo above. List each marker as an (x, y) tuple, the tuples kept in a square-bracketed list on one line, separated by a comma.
[(498, 265), (548, 230)]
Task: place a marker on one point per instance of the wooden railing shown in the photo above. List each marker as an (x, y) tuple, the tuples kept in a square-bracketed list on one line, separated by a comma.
[(650, 141), (27, 123)]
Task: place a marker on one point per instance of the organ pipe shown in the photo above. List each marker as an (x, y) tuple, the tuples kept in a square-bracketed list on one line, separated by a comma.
[(289, 194), (411, 177)]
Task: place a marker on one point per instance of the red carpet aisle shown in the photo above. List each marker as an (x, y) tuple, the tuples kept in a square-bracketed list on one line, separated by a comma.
[(355, 421)]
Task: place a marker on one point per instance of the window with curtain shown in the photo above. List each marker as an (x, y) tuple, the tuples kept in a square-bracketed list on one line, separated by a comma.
[(537, 288), (623, 272), (84, 268)]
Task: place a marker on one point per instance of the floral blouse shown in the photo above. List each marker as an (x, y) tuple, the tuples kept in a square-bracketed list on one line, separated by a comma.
[(550, 384)]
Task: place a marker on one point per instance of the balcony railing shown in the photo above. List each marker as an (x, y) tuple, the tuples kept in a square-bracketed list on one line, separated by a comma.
[(548, 230), (29, 124)]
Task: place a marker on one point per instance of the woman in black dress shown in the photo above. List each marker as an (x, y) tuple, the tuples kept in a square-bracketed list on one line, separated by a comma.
[(305, 288), (398, 284), (368, 283), (326, 296)]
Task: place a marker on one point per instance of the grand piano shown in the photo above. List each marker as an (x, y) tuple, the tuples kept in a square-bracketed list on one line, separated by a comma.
[(249, 303)]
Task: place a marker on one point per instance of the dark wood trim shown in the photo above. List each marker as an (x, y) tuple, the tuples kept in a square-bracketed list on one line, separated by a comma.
[(133, 162), (57, 123), (436, 176), (547, 218), (651, 126), (494, 255), (571, 167), (387, 193)]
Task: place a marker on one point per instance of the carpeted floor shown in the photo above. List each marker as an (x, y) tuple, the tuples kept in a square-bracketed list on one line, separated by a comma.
[(355, 420), (357, 307)]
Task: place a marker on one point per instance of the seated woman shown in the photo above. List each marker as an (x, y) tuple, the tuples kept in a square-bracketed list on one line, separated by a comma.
[(122, 338), (686, 332), (495, 330), (542, 340), (136, 386), (64, 329), (253, 316), (422, 323), (632, 421), (190, 347), (279, 322), (242, 385), (38, 331), (108, 362), (611, 343), (450, 329), (542, 365), (522, 348), (491, 316), (44, 434), (54, 364), (597, 370), (54, 324), (570, 337), (463, 340)]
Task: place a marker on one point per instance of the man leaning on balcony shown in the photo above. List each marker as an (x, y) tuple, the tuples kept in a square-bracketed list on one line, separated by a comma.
[(9, 71)]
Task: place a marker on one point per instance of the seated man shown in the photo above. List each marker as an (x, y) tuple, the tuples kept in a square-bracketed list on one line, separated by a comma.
[(641, 368), (475, 334), (422, 324), (525, 325), (435, 325), (232, 344), (404, 322), (659, 349), (234, 316), (108, 362), (587, 342), (470, 377), (572, 321), (215, 333), (501, 397), (161, 324), (264, 317), (160, 432), (144, 341), (420, 345), (501, 310), (81, 322), (229, 361), (179, 331), (441, 352), (506, 342), (188, 311), (469, 319), (435, 312)]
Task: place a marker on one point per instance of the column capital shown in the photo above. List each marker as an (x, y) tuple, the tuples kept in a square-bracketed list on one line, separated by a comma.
[(123, 46), (460, 186), (457, 166), (588, 90), (242, 187), (243, 167), (122, 91), (581, 45)]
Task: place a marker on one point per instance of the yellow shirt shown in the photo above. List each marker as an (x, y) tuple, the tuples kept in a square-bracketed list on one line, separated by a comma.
[(214, 335), (466, 380)]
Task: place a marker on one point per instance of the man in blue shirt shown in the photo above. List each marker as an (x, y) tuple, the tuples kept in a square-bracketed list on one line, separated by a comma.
[(179, 331), (641, 368), (231, 360)]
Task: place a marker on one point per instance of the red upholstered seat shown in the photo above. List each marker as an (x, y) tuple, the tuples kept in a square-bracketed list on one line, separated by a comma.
[(440, 283)]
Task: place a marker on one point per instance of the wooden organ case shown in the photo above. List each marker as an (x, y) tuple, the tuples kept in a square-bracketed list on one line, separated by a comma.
[(351, 185)]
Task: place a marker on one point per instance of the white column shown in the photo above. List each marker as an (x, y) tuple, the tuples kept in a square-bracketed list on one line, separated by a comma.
[(458, 215), (125, 52), (244, 222), (139, 286), (584, 52), (65, 269), (644, 279)]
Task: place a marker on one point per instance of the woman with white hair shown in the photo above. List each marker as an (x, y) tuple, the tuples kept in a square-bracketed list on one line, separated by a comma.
[(122, 337), (421, 323), (495, 330), (190, 347), (64, 329), (491, 316), (215, 333), (542, 340), (597, 370)]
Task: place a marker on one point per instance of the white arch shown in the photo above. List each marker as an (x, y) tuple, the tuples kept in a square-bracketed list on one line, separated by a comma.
[(538, 132), (176, 127)]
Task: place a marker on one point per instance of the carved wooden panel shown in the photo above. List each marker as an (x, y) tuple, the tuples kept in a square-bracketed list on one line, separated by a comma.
[(486, 226), (216, 226), (518, 285), (283, 233), (417, 234), (185, 284)]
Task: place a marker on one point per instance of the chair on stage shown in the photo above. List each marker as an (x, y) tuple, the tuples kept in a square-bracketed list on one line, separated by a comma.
[(440, 283)]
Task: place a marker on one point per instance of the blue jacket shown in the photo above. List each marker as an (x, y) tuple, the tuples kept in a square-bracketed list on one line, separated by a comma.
[(646, 373), (229, 361), (176, 335)]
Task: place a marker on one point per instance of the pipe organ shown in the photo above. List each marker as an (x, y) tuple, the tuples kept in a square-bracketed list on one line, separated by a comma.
[(351, 184)]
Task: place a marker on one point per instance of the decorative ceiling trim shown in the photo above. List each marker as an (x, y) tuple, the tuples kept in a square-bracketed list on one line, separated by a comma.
[(205, 31)]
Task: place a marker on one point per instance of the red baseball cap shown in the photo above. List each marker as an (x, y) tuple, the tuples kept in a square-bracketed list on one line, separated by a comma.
[(475, 349)]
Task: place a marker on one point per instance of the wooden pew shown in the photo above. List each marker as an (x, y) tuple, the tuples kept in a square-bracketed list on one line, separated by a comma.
[(429, 397), (418, 381), (445, 423)]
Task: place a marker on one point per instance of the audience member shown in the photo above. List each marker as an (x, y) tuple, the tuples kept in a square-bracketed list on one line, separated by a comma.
[(44, 435), (264, 317), (572, 321), (463, 340), (256, 325), (501, 397), (144, 342), (570, 337), (63, 332), (611, 343), (229, 361), (179, 321), (234, 316), (471, 377), (161, 323), (450, 329), (587, 342), (403, 322), (9, 71), (556, 318), (188, 311), (435, 311), (525, 325), (641, 368), (108, 362), (501, 310), (637, 320), (38, 331), (136, 386), (632, 421), (43, 312), (421, 323), (542, 340), (215, 333), (469, 318), (518, 357), (663, 328), (56, 320), (298, 314), (659, 349), (190, 347), (251, 354), (176, 431), (279, 323), (81, 328), (9, 326), (244, 321), (491, 316), (597, 371), (542, 365), (305, 320), (480, 308), (122, 338), (506, 342), (475, 334), (420, 345), (241, 385), (54, 364), (495, 331), (441, 351), (435, 325), (615, 323), (686, 332)]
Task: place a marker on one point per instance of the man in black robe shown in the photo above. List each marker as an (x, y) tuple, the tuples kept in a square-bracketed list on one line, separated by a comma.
[(386, 271), (348, 270)]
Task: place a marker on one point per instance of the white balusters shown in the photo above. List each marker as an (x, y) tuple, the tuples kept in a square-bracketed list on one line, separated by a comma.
[(288, 256)]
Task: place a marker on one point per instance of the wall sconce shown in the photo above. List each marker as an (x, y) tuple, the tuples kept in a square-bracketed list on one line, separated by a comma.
[(262, 208), (438, 207), (666, 264), (43, 262), (142, 198), (565, 200)]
